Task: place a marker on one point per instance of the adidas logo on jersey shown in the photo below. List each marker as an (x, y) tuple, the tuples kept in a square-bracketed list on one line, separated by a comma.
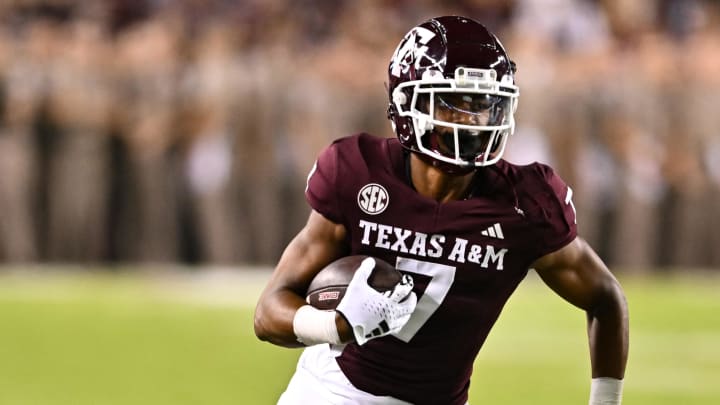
[(494, 231)]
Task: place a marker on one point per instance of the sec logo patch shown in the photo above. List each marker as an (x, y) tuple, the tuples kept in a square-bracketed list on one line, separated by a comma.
[(373, 199)]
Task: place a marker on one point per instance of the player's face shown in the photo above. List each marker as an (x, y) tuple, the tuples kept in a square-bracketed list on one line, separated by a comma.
[(467, 109)]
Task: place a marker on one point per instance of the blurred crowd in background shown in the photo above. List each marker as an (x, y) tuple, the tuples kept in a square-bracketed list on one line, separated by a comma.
[(162, 131)]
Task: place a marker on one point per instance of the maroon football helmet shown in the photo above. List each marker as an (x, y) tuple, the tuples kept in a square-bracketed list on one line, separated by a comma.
[(452, 93)]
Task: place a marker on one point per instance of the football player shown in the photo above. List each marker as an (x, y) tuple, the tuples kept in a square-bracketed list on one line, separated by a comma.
[(440, 203)]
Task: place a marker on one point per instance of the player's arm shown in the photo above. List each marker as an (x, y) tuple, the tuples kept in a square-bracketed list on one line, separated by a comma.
[(283, 318), (577, 274), (320, 242)]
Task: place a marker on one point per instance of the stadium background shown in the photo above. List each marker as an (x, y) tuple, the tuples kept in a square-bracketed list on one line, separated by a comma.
[(153, 157)]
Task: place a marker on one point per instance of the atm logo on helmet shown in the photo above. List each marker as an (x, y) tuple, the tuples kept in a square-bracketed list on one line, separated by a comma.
[(373, 199), (411, 51)]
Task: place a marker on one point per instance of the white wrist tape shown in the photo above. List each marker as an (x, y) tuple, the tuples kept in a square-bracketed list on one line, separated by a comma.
[(606, 391), (313, 326)]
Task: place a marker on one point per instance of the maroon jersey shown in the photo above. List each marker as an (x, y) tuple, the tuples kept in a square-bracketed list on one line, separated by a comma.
[(466, 257)]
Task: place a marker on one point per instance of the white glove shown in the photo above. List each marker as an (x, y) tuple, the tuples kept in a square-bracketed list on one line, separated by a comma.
[(372, 314)]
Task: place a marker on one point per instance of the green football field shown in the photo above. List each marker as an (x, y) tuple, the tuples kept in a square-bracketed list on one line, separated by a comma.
[(70, 336)]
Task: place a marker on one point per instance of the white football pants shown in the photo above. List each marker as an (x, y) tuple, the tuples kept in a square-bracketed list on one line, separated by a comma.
[(319, 380)]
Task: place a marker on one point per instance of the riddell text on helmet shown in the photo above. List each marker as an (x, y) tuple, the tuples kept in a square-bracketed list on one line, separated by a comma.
[(436, 246)]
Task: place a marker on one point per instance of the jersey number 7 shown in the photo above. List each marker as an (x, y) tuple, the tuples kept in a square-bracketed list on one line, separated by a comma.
[(442, 277)]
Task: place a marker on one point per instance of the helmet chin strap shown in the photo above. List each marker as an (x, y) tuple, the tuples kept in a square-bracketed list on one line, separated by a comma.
[(445, 167)]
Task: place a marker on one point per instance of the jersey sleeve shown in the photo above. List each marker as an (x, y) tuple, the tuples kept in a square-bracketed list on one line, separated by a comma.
[(321, 191), (553, 212)]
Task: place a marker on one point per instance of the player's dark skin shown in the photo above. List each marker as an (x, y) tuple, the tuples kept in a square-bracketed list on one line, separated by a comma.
[(574, 272)]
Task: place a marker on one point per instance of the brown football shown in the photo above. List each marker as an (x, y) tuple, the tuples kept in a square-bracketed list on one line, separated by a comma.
[(329, 285)]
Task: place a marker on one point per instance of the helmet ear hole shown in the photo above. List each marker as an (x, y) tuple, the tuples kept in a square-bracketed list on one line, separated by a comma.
[(391, 113), (399, 97)]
